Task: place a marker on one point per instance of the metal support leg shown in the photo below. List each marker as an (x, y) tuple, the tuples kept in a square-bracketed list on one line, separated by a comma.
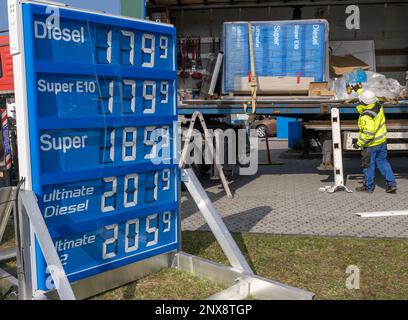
[(7, 254), (217, 226), (6, 198), (8, 286), (208, 139), (337, 154), (29, 203)]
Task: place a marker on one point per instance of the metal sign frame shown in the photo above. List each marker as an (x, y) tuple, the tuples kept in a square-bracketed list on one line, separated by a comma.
[(337, 155)]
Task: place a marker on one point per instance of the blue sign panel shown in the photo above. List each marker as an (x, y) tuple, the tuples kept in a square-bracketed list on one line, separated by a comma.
[(281, 48), (102, 120)]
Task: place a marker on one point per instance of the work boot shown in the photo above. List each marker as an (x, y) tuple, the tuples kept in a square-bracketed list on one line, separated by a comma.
[(391, 189), (364, 189)]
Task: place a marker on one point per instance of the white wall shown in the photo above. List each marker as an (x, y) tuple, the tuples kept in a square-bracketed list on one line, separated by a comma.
[(386, 25)]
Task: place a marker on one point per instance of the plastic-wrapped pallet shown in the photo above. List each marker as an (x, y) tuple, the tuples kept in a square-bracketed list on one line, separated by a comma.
[(288, 55)]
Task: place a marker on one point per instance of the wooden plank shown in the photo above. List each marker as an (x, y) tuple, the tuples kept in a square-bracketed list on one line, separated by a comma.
[(315, 88), (273, 85)]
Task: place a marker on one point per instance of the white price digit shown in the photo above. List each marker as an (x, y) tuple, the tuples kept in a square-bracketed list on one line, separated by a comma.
[(112, 147), (111, 93), (109, 194), (134, 237), (132, 83), (149, 97), (164, 44), (108, 147), (166, 178), (148, 50), (131, 193), (167, 221), (164, 90), (152, 191), (131, 35), (110, 241), (151, 138), (129, 144), (156, 186), (152, 229), (109, 49)]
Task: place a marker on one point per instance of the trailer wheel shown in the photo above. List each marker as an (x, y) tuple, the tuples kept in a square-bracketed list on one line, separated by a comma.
[(261, 131), (200, 169)]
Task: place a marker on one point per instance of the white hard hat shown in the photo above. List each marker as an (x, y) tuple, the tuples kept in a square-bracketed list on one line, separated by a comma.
[(368, 97)]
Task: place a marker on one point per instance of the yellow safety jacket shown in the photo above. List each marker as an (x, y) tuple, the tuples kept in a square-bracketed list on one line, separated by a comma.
[(371, 123)]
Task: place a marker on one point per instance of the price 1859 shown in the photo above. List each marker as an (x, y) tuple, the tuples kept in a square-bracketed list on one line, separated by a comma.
[(121, 144)]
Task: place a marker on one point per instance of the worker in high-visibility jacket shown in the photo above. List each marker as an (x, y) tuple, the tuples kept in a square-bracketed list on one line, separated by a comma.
[(372, 140)]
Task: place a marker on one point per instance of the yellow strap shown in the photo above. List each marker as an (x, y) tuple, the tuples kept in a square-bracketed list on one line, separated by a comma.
[(253, 83)]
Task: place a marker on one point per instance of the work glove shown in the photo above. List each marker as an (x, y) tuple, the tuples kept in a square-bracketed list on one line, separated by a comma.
[(356, 146), (358, 86), (350, 88)]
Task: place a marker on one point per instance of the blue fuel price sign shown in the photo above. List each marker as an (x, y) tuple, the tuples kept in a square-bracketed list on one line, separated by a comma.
[(102, 115)]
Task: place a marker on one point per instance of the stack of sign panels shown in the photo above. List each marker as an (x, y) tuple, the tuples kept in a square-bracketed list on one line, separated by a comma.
[(288, 55)]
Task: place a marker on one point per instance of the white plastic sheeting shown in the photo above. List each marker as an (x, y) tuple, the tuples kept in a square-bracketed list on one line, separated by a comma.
[(381, 85)]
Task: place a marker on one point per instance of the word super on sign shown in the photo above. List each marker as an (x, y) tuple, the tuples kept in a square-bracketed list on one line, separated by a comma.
[(102, 116)]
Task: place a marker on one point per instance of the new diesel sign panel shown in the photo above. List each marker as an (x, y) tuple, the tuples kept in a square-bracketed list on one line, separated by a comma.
[(101, 119)]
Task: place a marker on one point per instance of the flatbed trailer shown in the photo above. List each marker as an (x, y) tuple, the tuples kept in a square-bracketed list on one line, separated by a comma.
[(315, 115), (301, 108)]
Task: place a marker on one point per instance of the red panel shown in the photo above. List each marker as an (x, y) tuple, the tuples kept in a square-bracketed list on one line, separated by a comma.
[(7, 80)]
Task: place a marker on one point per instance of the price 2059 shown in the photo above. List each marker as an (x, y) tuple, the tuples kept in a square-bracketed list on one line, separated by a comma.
[(136, 231)]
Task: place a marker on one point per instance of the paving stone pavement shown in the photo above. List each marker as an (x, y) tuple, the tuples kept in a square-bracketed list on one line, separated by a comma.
[(285, 199)]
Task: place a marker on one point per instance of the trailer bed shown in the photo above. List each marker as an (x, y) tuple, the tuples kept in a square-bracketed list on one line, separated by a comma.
[(298, 107)]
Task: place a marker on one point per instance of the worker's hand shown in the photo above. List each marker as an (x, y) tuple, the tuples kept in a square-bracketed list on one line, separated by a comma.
[(358, 86), (349, 88), (356, 146)]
